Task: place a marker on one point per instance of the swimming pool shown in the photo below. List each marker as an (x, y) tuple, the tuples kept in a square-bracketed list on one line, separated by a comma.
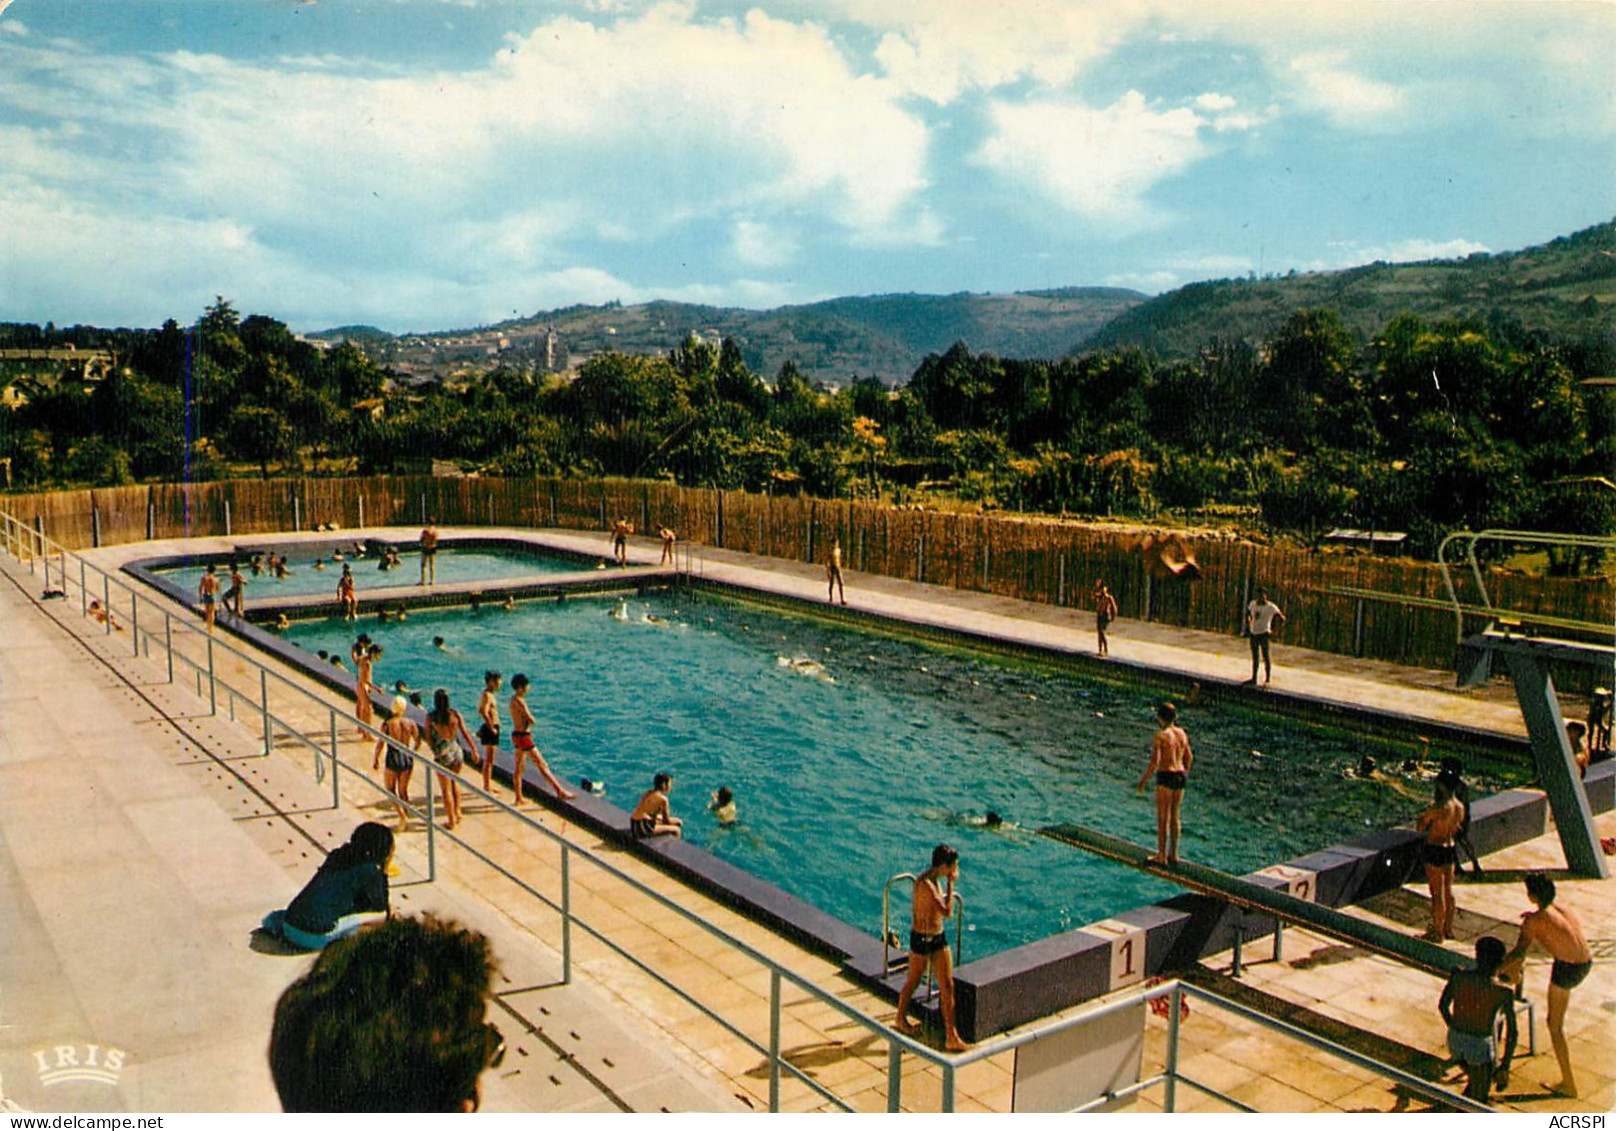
[(454, 567), (852, 753)]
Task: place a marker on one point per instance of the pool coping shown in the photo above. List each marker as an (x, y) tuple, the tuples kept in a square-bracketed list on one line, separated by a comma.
[(1015, 986)]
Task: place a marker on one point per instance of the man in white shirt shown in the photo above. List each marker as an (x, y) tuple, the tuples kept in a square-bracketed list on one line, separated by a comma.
[(1262, 617)]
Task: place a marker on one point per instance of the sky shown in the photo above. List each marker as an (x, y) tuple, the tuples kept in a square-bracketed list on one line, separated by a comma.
[(432, 164)]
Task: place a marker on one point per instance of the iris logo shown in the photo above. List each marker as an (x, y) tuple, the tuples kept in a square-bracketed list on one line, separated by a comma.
[(75, 1064)]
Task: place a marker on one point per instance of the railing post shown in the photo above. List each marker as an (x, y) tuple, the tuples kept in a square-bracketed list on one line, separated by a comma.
[(1239, 938), (269, 725), (1175, 1004), (431, 825), (134, 620), (213, 682), (894, 1076), (168, 643), (227, 531), (336, 797), (106, 602), (774, 1039), (566, 914), (948, 1089), (84, 592)]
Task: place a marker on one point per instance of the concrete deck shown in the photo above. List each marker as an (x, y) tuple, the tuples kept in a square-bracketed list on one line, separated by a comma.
[(138, 873)]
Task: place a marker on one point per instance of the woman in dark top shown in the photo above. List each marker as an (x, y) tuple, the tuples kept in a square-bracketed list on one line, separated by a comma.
[(348, 891)]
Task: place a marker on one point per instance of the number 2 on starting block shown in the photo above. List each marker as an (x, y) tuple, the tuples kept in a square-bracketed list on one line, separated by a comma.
[(1299, 882), (1127, 950)]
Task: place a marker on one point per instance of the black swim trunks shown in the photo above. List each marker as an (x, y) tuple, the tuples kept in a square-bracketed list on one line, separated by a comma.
[(643, 827), (1438, 855), (1172, 779), (487, 735), (1568, 975), (924, 944), (398, 761)]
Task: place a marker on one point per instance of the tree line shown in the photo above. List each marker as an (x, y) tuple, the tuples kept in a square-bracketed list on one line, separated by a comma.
[(1425, 428)]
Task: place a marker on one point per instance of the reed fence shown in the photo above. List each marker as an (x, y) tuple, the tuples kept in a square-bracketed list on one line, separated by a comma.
[(1035, 560)]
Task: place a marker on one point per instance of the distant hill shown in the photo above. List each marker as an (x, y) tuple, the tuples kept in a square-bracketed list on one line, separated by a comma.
[(1565, 289), (839, 340)]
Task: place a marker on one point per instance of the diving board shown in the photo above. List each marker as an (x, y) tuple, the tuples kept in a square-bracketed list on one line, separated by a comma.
[(1326, 921)]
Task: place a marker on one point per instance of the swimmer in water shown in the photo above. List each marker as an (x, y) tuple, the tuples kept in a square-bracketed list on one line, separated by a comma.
[(722, 806), (283, 622), (620, 610)]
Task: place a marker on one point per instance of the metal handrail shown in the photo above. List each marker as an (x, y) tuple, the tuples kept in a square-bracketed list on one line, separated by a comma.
[(1470, 538), (20, 540)]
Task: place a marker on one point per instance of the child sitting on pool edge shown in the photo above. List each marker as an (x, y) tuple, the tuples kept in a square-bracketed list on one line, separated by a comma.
[(651, 817)]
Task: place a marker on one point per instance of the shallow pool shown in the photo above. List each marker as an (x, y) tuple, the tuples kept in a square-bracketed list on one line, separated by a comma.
[(851, 753), (454, 566)]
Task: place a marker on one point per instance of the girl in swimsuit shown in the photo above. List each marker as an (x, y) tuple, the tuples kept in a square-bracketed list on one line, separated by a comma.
[(444, 730), (363, 686), (400, 763)]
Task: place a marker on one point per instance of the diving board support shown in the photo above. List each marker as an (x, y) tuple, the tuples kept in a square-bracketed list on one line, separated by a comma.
[(1556, 769), (1246, 895)]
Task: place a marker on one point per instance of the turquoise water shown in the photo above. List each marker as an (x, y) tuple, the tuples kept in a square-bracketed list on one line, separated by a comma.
[(453, 567), (851, 754)]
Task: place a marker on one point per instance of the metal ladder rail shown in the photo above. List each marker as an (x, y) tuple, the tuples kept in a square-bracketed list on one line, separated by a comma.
[(956, 910)]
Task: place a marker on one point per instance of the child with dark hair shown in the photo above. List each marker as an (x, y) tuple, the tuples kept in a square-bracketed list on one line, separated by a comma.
[(523, 745), (348, 891), (1451, 776), (1170, 761), (1559, 932), (394, 1019), (445, 730), (488, 733), (652, 817), (1472, 1003), (928, 943)]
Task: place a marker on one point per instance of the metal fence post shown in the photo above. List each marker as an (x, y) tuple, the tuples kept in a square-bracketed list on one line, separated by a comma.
[(894, 1076), (774, 1040), (948, 1089), (84, 592), (336, 797), (106, 602), (1175, 1004), (431, 827), (566, 914), (134, 620), (213, 682), (269, 725), (168, 643)]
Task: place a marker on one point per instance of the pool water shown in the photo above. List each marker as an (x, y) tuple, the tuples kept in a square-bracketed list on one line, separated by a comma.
[(462, 567), (851, 754)]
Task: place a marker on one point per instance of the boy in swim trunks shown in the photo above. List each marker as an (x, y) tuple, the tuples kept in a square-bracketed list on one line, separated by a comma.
[(928, 944), (429, 552), (1472, 1003), (488, 733), (523, 746), (208, 590), (1105, 611), (1440, 825), (652, 817), (1170, 761), (1557, 931)]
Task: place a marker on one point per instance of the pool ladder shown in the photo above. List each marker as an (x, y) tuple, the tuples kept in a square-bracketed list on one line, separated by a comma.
[(956, 909)]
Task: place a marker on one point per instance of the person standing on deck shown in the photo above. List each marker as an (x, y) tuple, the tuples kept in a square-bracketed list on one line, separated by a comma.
[(928, 944), (488, 733), (235, 596), (833, 574), (1557, 931), (1471, 1004), (1262, 617), (523, 746), (429, 553), (621, 529), (1170, 761), (1439, 825), (1105, 611), (348, 594), (208, 590), (669, 538)]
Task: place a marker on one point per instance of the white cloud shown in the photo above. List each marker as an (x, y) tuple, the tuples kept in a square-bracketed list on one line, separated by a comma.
[(1150, 282), (1326, 84), (1212, 102), (761, 245), (12, 27), (1097, 163), (1413, 250)]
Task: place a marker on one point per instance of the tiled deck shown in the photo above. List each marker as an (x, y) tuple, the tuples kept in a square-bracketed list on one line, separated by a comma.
[(184, 837)]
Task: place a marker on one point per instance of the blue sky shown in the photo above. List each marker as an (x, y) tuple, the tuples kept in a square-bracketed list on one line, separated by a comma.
[(427, 164)]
